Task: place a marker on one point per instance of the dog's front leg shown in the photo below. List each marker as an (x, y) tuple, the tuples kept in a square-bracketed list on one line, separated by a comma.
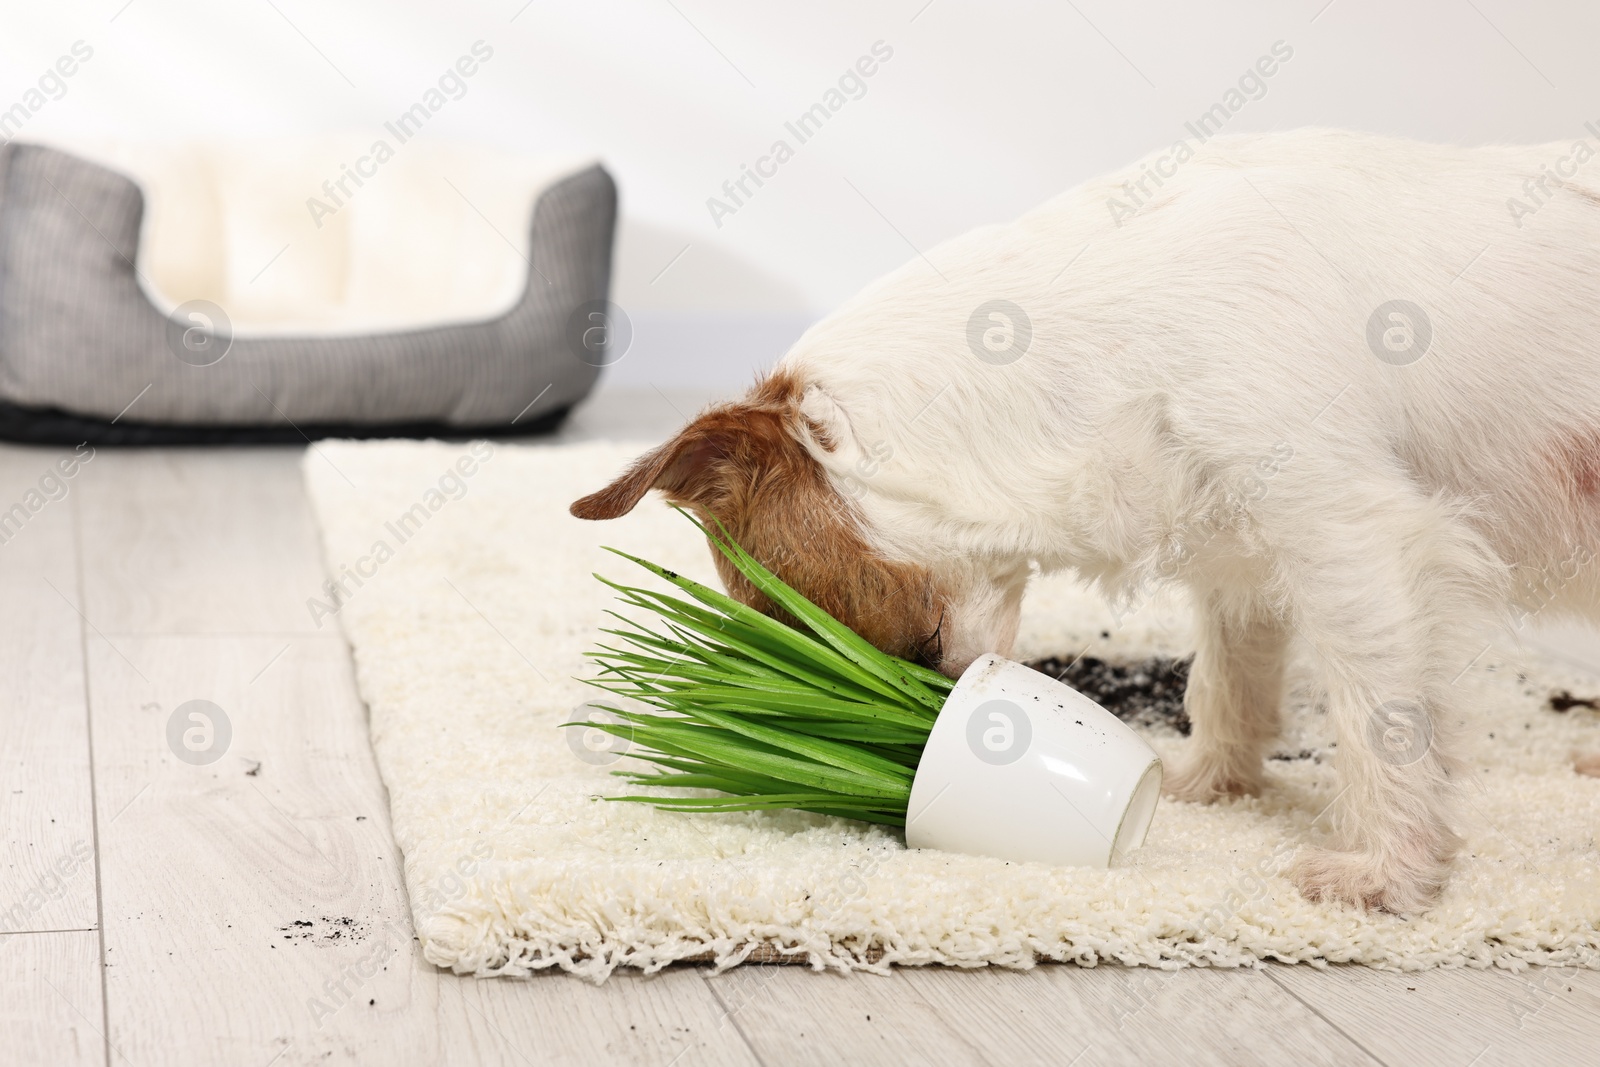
[(1380, 601), (1235, 689)]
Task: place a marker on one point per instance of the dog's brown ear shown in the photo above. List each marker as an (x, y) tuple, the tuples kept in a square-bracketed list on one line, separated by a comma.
[(668, 467), (715, 460), (676, 467)]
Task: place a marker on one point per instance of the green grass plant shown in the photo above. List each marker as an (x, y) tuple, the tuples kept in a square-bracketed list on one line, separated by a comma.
[(718, 696)]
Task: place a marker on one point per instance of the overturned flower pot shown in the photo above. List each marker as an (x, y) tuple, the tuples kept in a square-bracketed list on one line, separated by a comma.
[(1022, 767), (741, 712)]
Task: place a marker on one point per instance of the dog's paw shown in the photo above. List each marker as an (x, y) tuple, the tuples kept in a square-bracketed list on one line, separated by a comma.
[(1362, 880), (1203, 781)]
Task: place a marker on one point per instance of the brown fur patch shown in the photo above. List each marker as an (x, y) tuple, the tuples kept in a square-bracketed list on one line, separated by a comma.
[(1576, 458), (743, 463)]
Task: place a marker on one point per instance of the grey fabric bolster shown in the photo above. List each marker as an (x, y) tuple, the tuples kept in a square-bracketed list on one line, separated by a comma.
[(78, 334)]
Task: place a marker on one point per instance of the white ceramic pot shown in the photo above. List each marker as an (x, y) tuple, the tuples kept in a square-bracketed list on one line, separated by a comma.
[(1022, 767)]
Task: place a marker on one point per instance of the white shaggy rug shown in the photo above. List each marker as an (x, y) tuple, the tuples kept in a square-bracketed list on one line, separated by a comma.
[(467, 628)]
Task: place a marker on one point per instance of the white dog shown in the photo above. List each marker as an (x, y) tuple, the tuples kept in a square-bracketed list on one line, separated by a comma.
[(1346, 389)]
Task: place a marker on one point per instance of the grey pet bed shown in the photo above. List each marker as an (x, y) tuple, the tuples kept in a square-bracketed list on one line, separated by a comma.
[(85, 354)]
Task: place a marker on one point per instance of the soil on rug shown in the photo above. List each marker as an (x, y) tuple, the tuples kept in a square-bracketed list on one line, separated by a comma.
[(1147, 692)]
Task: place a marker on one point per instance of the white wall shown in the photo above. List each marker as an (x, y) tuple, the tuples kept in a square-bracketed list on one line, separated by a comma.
[(983, 110)]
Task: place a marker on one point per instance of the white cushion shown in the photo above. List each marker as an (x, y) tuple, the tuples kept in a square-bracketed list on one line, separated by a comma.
[(438, 233)]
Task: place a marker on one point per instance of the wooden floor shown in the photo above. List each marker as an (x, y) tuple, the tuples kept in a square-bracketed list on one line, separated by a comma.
[(251, 911)]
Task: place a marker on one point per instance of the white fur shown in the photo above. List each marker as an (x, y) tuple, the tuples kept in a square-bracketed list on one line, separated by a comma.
[(1174, 365)]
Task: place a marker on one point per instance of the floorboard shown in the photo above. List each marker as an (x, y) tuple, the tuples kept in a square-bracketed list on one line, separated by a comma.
[(50, 999), (199, 541), (47, 852), (793, 1016), (254, 904), (656, 1020), (1483, 1018), (249, 898), (1122, 1015)]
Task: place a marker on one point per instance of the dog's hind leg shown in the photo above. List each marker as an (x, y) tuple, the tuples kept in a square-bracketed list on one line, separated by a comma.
[(1387, 587)]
